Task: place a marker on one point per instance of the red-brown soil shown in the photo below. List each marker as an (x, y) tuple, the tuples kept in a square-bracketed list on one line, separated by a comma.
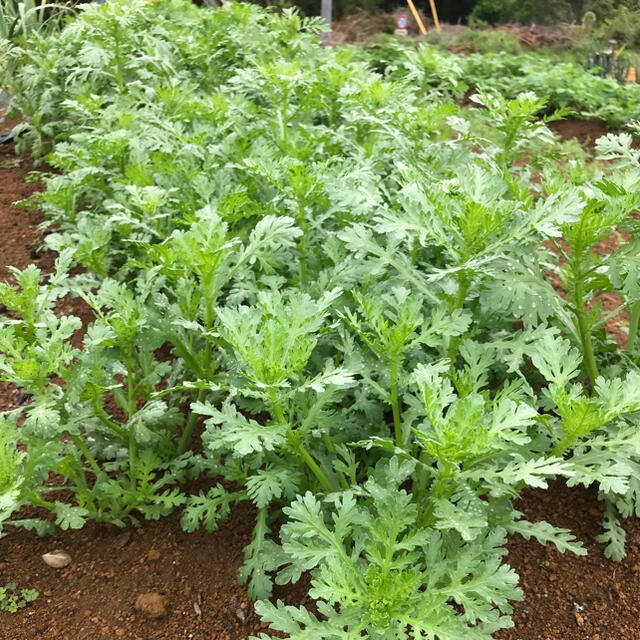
[(185, 584), (569, 597), (95, 596), (18, 229), (585, 131)]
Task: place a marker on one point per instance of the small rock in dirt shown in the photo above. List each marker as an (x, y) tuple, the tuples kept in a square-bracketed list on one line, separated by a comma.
[(154, 554), (579, 620), (121, 540), (152, 605), (57, 558), (228, 624)]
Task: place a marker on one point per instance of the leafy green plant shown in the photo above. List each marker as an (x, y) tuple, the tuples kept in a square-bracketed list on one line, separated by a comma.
[(377, 569), (296, 447), (11, 599), (68, 391), (600, 432), (564, 84), (393, 326), (583, 270), (29, 18)]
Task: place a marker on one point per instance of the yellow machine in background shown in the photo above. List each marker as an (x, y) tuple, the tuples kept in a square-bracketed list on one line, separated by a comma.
[(416, 15)]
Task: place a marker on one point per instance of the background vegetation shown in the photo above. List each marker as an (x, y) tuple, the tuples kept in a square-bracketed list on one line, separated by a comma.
[(605, 19), (614, 19)]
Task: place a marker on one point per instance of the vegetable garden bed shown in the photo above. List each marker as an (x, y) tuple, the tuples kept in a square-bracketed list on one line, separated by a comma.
[(307, 307), (565, 597)]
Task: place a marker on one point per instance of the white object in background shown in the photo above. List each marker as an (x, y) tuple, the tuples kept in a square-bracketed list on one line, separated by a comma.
[(401, 23), (326, 11)]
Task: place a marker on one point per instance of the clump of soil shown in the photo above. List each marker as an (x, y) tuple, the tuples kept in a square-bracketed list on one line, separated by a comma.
[(154, 605)]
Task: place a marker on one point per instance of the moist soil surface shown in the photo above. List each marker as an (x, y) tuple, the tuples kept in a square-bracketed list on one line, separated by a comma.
[(585, 131), (160, 583)]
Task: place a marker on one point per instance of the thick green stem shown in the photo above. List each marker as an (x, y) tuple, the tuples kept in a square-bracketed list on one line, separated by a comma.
[(633, 326), (294, 440), (587, 347), (80, 443), (285, 126), (415, 250), (277, 409), (315, 468), (131, 410), (185, 353), (395, 404), (209, 316), (185, 438), (118, 53), (421, 478), (463, 290), (101, 414), (331, 449), (438, 492), (584, 330), (302, 248), (37, 501), (284, 119), (301, 221)]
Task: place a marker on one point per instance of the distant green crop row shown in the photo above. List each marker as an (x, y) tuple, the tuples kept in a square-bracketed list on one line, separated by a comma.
[(565, 85), (325, 291)]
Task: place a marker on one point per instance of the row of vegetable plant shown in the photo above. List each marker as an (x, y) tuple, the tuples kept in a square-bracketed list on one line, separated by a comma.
[(566, 85), (346, 280)]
